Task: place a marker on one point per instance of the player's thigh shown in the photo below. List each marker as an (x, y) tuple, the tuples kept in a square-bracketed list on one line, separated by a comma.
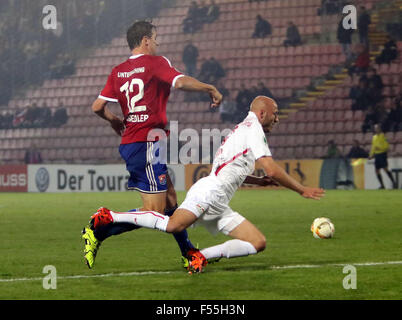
[(153, 201), (247, 231), (180, 220), (147, 175)]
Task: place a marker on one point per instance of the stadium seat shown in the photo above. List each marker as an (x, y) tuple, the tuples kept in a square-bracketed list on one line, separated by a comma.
[(320, 139)]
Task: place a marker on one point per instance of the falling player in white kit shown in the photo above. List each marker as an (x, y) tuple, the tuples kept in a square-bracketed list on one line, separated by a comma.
[(207, 201)]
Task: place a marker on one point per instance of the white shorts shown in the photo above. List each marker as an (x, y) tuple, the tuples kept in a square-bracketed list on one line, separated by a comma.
[(208, 201)]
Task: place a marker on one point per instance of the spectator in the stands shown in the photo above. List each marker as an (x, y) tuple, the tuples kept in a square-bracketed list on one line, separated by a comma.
[(333, 150), (32, 116), (217, 71), (393, 120), (6, 120), (262, 28), (205, 71), (375, 114), (292, 35), (363, 22), (2, 121), (375, 85), (211, 71), (362, 62), (264, 91), (356, 151), (202, 12), (344, 37), (360, 95), (19, 118), (33, 155), (189, 57), (389, 53), (254, 91), (63, 66), (60, 116), (45, 116), (192, 22), (213, 12), (375, 78), (243, 100)]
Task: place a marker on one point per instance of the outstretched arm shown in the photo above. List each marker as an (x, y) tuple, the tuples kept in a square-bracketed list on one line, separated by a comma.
[(261, 181), (187, 83), (100, 108), (278, 174)]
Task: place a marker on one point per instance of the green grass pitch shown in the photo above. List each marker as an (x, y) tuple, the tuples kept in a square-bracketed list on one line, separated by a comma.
[(44, 229)]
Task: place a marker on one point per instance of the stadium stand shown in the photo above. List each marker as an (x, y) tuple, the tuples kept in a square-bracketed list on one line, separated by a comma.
[(308, 121)]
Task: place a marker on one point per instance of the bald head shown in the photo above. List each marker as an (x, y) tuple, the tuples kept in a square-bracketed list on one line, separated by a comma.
[(266, 111), (262, 103)]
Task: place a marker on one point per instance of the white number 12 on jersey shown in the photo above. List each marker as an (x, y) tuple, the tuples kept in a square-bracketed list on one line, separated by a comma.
[(128, 88)]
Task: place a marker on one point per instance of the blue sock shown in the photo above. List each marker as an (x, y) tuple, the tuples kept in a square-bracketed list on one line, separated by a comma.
[(181, 237), (114, 229)]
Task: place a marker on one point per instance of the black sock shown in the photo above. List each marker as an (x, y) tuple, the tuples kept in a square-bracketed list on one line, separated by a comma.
[(379, 177), (392, 178)]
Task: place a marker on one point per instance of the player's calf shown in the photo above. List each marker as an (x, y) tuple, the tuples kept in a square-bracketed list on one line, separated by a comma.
[(248, 232)]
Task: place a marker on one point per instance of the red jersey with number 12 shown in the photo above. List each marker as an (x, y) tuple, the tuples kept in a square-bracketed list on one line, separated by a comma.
[(141, 85)]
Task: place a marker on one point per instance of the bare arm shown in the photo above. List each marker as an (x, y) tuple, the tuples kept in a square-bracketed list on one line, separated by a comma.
[(274, 171), (187, 83), (261, 181), (100, 109)]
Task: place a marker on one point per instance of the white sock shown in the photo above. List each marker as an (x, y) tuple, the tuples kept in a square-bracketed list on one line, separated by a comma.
[(146, 219), (229, 249)]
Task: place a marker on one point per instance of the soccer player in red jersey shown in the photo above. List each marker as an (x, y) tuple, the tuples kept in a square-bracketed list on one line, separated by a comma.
[(141, 85)]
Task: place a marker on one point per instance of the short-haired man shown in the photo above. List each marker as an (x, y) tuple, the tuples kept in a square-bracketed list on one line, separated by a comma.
[(207, 202), (141, 85)]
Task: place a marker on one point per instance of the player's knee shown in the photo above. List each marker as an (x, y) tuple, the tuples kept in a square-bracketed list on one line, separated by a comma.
[(175, 226), (260, 244)]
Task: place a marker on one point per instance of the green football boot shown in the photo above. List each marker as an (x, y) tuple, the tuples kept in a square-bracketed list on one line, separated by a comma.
[(91, 246)]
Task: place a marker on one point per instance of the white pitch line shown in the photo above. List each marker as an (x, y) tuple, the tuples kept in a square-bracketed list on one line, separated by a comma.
[(105, 275), (359, 264), (145, 273)]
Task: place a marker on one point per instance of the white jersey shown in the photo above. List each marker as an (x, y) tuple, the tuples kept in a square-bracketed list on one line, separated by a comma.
[(235, 158), (209, 197)]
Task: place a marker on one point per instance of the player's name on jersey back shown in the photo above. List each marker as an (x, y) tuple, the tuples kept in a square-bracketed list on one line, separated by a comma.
[(137, 118)]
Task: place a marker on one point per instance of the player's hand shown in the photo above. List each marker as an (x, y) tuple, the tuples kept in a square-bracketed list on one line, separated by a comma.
[(118, 126), (268, 181), (216, 98), (313, 193)]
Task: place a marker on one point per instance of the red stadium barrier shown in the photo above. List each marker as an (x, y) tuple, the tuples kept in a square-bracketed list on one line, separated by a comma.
[(13, 178)]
